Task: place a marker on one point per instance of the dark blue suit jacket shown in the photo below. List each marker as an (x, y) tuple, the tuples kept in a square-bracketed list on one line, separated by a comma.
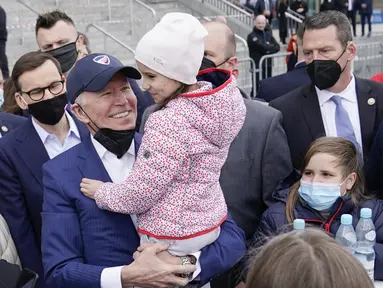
[(9, 122), (80, 240), (274, 87), (22, 155), (374, 166)]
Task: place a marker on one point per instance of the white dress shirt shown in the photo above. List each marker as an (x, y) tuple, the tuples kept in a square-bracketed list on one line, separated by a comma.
[(50, 141), (349, 103), (119, 170)]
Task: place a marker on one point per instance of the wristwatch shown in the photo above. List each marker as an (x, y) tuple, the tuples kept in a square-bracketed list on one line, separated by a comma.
[(188, 260)]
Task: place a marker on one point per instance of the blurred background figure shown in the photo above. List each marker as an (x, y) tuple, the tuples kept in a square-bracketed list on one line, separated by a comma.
[(365, 11), (261, 43), (326, 6), (352, 8), (3, 40), (300, 7), (281, 9)]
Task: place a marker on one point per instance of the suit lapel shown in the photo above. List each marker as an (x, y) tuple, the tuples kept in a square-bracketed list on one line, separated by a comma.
[(31, 150), (90, 164), (367, 111), (311, 112), (4, 127)]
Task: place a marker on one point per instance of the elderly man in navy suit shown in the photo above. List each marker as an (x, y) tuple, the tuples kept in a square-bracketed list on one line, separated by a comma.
[(274, 87), (51, 130), (103, 100)]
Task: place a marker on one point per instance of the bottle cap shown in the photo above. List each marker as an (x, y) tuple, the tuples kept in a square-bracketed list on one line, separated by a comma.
[(346, 219), (299, 224), (366, 213)]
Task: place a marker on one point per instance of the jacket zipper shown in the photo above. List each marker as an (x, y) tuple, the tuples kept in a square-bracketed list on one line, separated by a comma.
[(327, 225)]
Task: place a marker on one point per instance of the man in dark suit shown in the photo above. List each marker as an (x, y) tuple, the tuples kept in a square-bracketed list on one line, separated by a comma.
[(90, 239), (50, 131), (341, 6), (9, 122), (337, 103), (274, 87), (352, 8), (57, 35), (3, 40)]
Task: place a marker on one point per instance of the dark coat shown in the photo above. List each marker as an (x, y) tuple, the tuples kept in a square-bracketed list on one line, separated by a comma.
[(261, 43), (274, 220), (367, 10), (3, 25)]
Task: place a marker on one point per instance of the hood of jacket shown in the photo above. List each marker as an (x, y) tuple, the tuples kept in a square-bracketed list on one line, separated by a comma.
[(219, 108)]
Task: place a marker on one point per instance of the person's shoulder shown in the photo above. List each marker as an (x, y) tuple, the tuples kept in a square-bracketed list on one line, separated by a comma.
[(66, 160), (257, 109), (11, 118), (369, 83), (290, 97)]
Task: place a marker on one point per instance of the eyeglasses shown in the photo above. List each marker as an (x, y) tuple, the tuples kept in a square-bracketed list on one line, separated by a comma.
[(37, 94)]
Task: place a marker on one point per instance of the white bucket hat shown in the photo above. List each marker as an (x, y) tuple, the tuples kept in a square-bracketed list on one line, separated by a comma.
[(174, 47)]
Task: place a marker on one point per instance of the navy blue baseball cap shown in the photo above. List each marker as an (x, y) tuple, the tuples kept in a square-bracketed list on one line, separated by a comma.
[(93, 72)]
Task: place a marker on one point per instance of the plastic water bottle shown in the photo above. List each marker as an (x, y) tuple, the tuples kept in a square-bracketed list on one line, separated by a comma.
[(366, 238), (299, 224), (345, 235)]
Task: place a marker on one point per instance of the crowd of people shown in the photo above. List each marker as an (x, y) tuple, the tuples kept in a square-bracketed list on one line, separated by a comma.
[(187, 181)]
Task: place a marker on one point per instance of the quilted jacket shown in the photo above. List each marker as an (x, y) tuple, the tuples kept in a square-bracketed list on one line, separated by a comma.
[(174, 186), (7, 247)]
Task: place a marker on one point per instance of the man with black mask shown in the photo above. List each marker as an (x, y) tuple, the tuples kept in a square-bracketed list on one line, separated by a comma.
[(51, 130), (336, 103), (57, 35)]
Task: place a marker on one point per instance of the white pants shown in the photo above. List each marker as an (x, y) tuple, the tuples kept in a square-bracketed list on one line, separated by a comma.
[(186, 246)]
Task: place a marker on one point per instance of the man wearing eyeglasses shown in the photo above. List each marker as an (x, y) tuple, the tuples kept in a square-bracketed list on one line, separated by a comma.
[(50, 131)]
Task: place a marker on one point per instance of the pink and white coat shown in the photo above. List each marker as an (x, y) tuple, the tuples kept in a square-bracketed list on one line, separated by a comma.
[(174, 185)]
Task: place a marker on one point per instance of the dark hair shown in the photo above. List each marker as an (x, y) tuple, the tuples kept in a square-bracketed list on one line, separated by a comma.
[(29, 62), (325, 19), (349, 159), (10, 104), (48, 20), (308, 258)]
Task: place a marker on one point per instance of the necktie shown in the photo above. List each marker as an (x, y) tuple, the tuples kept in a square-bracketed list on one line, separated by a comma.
[(343, 123)]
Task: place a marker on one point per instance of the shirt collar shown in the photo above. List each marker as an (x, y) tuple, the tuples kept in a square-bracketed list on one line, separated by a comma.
[(43, 134), (101, 150), (348, 94)]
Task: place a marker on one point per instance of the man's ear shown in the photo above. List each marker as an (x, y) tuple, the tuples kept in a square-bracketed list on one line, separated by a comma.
[(80, 114), (20, 101)]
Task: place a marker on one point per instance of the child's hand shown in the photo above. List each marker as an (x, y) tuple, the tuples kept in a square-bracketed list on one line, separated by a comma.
[(89, 187)]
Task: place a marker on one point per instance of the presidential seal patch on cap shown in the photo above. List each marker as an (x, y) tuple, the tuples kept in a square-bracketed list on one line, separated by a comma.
[(102, 59)]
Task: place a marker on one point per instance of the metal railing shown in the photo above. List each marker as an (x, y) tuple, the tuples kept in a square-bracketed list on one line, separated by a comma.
[(20, 17), (246, 76), (230, 9), (292, 23), (150, 9), (110, 36), (368, 60)]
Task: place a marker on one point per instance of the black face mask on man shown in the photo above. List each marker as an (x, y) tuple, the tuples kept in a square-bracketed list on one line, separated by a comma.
[(49, 111), (207, 63), (325, 73), (66, 55), (115, 141)]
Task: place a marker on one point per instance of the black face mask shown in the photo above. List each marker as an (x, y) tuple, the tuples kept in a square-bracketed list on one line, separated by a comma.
[(49, 111), (66, 55), (207, 63), (325, 73), (115, 141)]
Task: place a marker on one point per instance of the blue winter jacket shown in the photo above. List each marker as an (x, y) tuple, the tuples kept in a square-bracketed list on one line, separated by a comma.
[(274, 220)]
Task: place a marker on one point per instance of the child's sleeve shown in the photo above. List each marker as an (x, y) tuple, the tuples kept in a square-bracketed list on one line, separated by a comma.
[(161, 154)]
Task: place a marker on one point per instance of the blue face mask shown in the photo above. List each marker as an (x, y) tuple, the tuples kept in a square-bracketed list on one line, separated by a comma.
[(1, 96), (319, 196)]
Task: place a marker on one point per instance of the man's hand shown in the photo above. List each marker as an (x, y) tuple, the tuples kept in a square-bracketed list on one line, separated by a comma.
[(364, 5), (164, 256), (300, 10), (89, 187), (148, 271), (266, 13)]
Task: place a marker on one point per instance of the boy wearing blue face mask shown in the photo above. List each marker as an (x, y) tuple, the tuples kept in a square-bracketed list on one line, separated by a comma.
[(331, 185)]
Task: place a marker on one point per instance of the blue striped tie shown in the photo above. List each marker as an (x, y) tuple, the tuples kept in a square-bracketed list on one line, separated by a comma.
[(343, 123)]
